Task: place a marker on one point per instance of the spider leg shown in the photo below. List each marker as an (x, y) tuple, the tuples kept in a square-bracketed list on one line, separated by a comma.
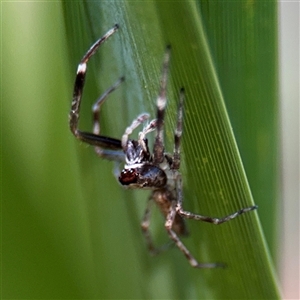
[(145, 228), (158, 149), (178, 133), (189, 215), (135, 123), (142, 135), (146, 231), (149, 128), (168, 225), (106, 153), (99, 102), (90, 138)]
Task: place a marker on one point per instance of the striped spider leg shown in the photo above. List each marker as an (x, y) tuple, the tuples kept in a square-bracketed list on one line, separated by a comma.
[(106, 147)]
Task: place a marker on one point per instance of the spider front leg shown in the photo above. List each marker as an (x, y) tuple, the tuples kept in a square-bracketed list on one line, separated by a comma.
[(128, 131), (111, 146), (189, 215)]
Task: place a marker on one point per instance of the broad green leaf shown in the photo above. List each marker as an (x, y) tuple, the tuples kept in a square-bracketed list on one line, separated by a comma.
[(69, 230)]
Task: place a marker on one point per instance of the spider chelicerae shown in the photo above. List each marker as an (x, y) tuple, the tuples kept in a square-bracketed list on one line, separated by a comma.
[(158, 171)]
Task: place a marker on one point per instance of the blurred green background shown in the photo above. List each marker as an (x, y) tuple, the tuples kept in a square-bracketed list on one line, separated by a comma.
[(68, 229)]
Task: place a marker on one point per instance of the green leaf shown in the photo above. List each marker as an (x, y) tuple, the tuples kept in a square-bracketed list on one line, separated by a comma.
[(69, 230), (214, 178)]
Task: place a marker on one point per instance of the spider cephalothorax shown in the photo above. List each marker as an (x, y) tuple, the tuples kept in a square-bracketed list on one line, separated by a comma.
[(158, 171)]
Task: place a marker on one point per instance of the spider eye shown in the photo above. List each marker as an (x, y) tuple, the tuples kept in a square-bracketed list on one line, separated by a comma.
[(128, 177)]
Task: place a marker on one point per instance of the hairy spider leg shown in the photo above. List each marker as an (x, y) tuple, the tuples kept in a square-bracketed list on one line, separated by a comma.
[(145, 225), (149, 128), (99, 102), (135, 123), (189, 215), (106, 153), (168, 225), (145, 228), (113, 145), (178, 133), (158, 149), (142, 135), (216, 221)]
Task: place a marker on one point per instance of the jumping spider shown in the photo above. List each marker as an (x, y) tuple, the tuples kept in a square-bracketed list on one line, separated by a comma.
[(158, 171)]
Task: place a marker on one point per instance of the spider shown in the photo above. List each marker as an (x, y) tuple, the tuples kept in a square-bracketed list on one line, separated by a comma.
[(157, 171)]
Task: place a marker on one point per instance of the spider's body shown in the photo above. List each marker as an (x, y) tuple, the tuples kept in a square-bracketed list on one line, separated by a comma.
[(161, 179), (158, 171), (141, 172)]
